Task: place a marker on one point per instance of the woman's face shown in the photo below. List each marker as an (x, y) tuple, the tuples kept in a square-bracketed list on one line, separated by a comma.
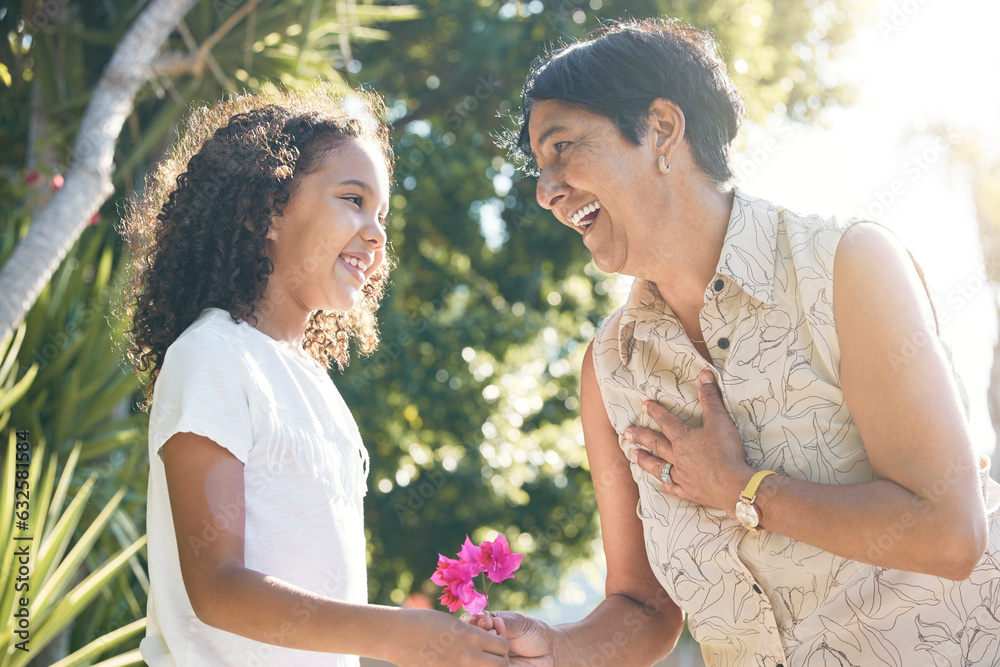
[(593, 179), (331, 238)]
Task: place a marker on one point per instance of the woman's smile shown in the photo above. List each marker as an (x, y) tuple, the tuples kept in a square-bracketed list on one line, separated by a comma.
[(585, 214)]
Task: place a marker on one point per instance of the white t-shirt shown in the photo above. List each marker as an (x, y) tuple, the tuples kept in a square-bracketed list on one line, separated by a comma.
[(305, 474)]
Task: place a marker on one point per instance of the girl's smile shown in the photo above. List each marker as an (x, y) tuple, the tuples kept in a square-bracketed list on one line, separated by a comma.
[(330, 238)]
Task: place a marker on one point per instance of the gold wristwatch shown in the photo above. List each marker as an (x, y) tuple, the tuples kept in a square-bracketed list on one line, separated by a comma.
[(746, 511)]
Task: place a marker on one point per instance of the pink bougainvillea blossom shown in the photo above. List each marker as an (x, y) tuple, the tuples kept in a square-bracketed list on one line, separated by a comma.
[(493, 559), (456, 577), (471, 554), (498, 561)]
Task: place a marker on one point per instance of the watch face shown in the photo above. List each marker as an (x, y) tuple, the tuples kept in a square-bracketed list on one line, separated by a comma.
[(747, 514)]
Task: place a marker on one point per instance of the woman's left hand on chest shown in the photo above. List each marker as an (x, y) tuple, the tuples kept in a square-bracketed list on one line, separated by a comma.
[(707, 463)]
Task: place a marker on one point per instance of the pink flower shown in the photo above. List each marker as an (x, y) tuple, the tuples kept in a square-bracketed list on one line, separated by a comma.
[(498, 561), (471, 554), (32, 177), (457, 576), (492, 559), (96, 218), (57, 181), (449, 570), (450, 600)]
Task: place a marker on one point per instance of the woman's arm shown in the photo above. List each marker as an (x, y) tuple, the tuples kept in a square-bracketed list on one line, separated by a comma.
[(637, 623), (925, 512), (205, 483)]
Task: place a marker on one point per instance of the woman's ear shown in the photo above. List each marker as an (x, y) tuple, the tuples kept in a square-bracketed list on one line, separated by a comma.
[(666, 126)]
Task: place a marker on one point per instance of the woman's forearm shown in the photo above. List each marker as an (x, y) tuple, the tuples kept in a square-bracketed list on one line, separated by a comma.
[(623, 631), (879, 522)]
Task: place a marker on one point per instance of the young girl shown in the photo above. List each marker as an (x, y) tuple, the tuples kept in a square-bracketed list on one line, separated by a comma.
[(260, 252)]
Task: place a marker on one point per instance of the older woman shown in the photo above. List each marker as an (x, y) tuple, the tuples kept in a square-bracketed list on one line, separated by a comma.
[(778, 440)]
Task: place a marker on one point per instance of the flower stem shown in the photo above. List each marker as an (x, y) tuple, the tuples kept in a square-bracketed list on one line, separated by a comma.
[(486, 592)]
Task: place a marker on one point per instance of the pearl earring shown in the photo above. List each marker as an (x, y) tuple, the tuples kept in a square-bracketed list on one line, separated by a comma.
[(664, 167)]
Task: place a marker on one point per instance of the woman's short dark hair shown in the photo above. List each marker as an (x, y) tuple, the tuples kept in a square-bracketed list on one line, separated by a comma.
[(626, 66)]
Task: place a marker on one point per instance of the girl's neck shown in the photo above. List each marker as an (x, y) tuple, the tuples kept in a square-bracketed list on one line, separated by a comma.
[(281, 315)]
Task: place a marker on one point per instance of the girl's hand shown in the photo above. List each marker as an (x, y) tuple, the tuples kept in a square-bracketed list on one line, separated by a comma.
[(426, 638), (532, 642), (708, 464)]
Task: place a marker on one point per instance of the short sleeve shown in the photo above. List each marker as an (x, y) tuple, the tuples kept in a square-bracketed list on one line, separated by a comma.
[(203, 388)]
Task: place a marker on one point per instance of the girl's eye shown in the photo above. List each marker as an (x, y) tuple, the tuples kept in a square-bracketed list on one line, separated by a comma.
[(354, 199)]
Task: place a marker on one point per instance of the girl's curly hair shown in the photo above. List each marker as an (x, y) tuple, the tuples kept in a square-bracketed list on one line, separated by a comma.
[(197, 231)]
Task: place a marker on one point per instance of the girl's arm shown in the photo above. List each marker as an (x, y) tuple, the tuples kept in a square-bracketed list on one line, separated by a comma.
[(637, 623), (201, 475), (925, 512)]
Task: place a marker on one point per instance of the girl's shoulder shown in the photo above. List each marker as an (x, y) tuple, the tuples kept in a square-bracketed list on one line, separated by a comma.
[(213, 334), (215, 341)]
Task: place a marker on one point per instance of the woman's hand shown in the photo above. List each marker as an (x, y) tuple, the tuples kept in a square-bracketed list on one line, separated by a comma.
[(707, 464), (425, 638), (532, 642)]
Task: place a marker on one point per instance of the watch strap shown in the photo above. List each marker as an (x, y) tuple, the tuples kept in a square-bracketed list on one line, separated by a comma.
[(750, 492)]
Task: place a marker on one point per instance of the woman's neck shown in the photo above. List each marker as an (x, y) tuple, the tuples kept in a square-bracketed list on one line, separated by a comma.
[(684, 259)]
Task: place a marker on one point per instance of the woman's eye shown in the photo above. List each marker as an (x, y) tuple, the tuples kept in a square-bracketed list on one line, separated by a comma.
[(560, 146)]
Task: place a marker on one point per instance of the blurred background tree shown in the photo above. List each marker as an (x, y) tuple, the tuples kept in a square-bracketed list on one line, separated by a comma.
[(979, 157), (469, 406)]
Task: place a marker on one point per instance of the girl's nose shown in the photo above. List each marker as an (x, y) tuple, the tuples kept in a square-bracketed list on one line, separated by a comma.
[(374, 233)]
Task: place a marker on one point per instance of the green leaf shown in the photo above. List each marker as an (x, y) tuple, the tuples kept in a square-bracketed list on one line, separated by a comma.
[(91, 651), (60, 579), (123, 660), (74, 602)]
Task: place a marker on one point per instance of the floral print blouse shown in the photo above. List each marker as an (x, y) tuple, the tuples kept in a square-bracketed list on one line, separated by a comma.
[(758, 598)]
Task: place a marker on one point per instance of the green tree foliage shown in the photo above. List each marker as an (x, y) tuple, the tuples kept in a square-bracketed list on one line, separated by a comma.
[(470, 405), (62, 377)]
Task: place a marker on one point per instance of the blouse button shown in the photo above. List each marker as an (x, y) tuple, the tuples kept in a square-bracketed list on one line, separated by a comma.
[(719, 285), (756, 589), (723, 343)]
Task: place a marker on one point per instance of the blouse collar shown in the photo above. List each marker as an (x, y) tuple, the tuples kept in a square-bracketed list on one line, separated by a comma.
[(747, 259)]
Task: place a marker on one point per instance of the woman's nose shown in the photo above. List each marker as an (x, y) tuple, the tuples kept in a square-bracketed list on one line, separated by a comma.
[(550, 189)]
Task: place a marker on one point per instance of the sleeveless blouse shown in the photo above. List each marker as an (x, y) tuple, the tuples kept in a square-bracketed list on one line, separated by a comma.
[(759, 598)]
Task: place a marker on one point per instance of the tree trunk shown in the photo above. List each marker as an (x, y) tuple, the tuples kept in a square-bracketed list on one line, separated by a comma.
[(87, 183)]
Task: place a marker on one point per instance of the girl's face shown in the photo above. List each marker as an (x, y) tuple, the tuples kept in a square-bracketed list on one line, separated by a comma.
[(331, 238)]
